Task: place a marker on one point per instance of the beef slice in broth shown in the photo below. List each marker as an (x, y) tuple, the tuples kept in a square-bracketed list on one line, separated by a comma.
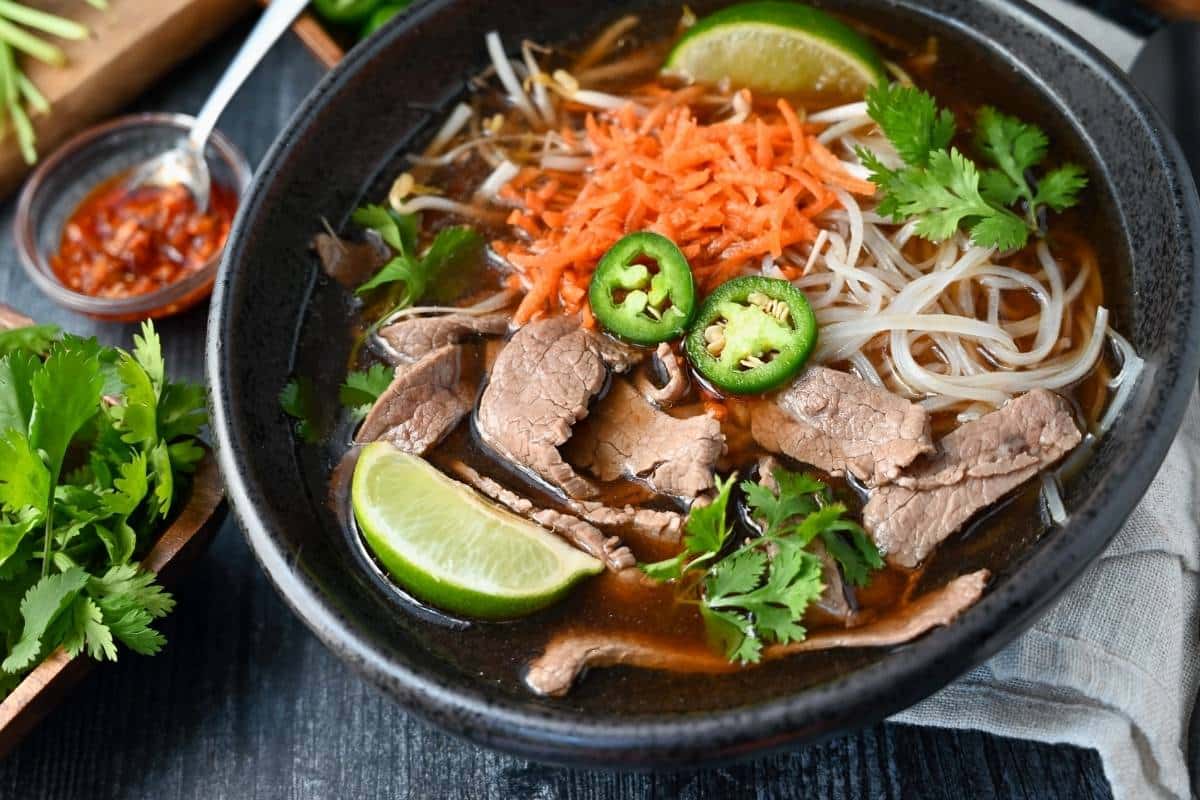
[(412, 338), (572, 652), (351, 263), (423, 403), (974, 466), (839, 424), (628, 437), (541, 385), (579, 532)]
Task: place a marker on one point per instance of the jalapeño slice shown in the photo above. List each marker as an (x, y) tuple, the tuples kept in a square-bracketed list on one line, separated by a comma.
[(752, 334), (643, 290)]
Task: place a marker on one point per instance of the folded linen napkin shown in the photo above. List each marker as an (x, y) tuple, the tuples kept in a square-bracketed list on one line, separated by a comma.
[(1114, 665)]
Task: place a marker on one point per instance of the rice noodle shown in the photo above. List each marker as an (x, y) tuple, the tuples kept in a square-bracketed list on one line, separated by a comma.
[(1124, 381)]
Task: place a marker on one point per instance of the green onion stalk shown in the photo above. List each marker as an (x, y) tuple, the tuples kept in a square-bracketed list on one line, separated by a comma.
[(20, 31)]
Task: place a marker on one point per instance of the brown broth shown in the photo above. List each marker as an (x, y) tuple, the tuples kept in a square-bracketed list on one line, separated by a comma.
[(997, 539)]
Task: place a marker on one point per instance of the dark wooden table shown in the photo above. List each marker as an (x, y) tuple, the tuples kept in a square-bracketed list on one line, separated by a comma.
[(245, 703)]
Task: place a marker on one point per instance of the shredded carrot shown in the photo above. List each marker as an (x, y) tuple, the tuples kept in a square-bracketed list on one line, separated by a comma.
[(728, 193)]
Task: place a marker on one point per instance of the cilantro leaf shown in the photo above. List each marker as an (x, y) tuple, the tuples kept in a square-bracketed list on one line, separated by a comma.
[(129, 487), (16, 393), (297, 399), (911, 120), (147, 351), (363, 387), (758, 593), (707, 527), (736, 575), (398, 230), (733, 634), (14, 531), (1059, 189), (181, 411), (66, 394), (32, 340), (137, 413), (42, 605), (85, 625), (856, 557), (24, 478), (946, 191), (416, 275), (1012, 145), (792, 497)]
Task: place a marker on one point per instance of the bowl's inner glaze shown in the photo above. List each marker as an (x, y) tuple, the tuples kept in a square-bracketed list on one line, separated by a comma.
[(275, 318)]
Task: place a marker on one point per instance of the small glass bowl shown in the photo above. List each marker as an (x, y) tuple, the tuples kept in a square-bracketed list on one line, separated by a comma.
[(62, 181)]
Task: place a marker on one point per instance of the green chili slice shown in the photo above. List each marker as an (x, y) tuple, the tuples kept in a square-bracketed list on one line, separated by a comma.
[(643, 290), (752, 334)]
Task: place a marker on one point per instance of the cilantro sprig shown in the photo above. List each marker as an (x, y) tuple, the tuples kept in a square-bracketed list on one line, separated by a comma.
[(758, 592), (95, 444), (944, 190), (410, 275), (363, 387)]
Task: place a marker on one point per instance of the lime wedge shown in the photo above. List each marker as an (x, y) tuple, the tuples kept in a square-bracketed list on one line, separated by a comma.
[(453, 549), (778, 48)]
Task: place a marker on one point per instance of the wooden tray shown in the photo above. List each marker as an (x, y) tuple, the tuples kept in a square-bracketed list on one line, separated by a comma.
[(174, 551)]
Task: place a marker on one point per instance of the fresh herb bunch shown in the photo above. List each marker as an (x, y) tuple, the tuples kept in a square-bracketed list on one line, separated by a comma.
[(758, 592), (95, 446), (945, 190), (406, 278), (16, 90)]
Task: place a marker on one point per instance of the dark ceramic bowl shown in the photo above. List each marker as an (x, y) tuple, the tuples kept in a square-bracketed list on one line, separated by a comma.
[(273, 317)]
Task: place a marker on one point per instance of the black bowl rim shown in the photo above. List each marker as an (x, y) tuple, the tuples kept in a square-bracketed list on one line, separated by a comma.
[(679, 740)]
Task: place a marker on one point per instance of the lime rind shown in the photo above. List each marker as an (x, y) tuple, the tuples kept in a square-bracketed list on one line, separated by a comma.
[(737, 42), (449, 547)]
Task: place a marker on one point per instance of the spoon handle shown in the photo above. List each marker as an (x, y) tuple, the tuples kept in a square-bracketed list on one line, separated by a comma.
[(271, 25)]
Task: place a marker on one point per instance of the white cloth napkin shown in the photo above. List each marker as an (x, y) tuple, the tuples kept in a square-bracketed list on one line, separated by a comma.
[(1114, 665)]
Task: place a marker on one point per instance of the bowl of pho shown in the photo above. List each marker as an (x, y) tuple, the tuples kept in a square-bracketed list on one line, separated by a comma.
[(637, 383)]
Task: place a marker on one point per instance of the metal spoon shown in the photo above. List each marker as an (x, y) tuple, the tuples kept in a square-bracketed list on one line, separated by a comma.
[(185, 164)]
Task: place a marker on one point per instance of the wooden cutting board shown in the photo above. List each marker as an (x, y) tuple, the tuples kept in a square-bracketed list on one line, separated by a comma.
[(132, 44)]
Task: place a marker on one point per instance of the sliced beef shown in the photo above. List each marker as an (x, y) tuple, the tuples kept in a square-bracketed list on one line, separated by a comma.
[(572, 652), (675, 388), (540, 386), (974, 466), (423, 403), (351, 263), (627, 436), (839, 424), (412, 338), (663, 526), (578, 532), (833, 602)]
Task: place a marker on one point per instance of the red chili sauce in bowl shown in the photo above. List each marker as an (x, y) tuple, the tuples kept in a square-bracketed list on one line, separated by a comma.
[(121, 242)]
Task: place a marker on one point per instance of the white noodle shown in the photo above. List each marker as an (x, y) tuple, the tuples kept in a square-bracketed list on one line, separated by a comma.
[(1054, 502), (1124, 381)]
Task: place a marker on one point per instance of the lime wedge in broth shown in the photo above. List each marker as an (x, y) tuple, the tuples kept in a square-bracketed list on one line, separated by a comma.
[(453, 549), (778, 48)]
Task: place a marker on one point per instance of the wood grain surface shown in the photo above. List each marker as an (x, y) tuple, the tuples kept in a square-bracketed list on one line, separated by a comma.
[(133, 43), (245, 703)]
